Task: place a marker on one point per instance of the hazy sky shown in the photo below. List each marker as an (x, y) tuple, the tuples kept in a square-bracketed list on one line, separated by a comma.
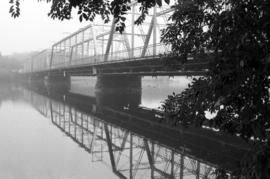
[(33, 30)]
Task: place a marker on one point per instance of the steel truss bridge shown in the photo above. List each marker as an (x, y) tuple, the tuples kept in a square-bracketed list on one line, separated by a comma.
[(128, 143), (99, 49)]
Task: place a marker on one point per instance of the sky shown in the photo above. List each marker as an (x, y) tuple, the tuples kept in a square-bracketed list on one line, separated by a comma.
[(33, 30)]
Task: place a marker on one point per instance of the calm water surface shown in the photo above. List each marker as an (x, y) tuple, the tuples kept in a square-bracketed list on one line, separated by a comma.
[(31, 147), (85, 134)]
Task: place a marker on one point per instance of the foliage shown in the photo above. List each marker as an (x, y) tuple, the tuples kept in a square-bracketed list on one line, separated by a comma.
[(237, 85), (88, 9), (236, 88), (257, 162)]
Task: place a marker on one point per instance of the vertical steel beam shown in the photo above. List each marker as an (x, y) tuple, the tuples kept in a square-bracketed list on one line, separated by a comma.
[(59, 114), (76, 46), (69, 43), (125, 39), (51, 110), (102, 42), (198, 168), (111, 49), (69, 121), (82, 128), (124, 140), (109, 143), (59, 56), (132, 29), (131, 157), (148, 36), (82, 44), (87, 48), (93, 137), (153, 160), (182, 166), (71, 114), (149, 156), (70, 55), (87, 124), (172, 164), (51, 59), (122, 146), (65, 51), (95, 42), (64, 117), (155, 31), (109, 43), (75, 131)]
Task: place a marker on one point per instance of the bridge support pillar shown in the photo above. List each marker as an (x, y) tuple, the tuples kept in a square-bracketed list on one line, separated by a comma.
[(58, 82), (118, 91), (118, 83)]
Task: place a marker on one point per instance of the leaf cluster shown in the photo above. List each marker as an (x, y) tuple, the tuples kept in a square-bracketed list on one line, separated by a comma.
[(14, 9), (89, 9)]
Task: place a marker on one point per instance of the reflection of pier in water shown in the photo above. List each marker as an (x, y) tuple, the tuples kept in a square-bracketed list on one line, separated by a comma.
[(131, 154)]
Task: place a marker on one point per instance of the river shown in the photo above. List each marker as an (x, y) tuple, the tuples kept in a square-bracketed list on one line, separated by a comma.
[(85, 134)]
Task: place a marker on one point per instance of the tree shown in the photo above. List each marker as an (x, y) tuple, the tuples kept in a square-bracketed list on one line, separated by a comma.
[(88, 9), (236, 88)]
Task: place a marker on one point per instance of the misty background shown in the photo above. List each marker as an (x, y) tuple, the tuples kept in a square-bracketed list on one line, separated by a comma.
[(27, 35)]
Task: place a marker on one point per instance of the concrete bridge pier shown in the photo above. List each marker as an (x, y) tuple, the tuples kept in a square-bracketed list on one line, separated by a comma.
[(118, 83), (59, 82), (118, 90)]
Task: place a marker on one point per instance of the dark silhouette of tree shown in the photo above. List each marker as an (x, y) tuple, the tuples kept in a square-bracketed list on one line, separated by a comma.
[(89, 9), (237, 34), (236, 88)]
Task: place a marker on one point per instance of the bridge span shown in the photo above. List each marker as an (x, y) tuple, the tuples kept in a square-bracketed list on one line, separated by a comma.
[(98, 49)]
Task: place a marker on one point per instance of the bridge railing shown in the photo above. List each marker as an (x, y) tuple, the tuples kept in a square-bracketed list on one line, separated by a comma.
[(155, 50), (151, 50)]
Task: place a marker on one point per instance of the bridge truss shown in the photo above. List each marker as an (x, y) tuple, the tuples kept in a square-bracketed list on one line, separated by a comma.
[(100, 43)]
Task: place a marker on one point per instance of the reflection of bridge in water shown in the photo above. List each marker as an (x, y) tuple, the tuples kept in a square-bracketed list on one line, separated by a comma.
[(135, 146)]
